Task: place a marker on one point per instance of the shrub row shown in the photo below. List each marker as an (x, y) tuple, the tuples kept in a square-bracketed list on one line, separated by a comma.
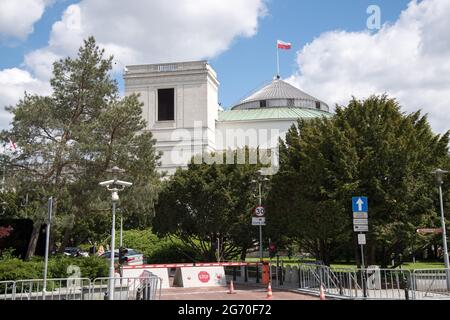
[(15, 269)]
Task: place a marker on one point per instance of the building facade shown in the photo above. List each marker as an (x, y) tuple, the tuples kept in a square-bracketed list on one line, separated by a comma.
[(180, 105)]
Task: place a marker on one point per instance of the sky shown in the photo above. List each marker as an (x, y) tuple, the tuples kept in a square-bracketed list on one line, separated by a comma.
[(336, 53)]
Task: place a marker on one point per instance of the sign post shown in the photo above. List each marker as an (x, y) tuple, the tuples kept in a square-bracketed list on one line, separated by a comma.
[(258, 219), (360, 207)]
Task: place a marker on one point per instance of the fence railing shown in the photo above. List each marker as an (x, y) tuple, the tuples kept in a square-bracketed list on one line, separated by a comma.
[(431, 283), (369, 283), (139, 288)]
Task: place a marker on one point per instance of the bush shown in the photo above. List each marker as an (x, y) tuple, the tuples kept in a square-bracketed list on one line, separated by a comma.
[(157, 250), (90, 267), (16, 269), (172, 253), (93, 267)]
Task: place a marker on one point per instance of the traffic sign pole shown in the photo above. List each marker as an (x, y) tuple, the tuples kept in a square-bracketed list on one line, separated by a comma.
[(360, 207), (260, 226), (362, 256)]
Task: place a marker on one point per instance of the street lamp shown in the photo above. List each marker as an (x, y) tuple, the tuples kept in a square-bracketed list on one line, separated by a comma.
[(114, 186), (259, 183), (121, 228), (439, 174)]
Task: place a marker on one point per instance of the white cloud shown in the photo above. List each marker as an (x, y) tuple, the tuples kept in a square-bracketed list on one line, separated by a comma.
[(153, 31), (13, 83), (17, 17), (135, 31), (408, 60)]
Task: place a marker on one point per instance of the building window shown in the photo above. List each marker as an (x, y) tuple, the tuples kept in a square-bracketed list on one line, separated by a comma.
[(166, 104), (317, 105), (263, 104), (291, 103)]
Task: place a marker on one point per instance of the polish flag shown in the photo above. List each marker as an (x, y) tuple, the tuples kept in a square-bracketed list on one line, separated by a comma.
[(284, 45), (12, 145)]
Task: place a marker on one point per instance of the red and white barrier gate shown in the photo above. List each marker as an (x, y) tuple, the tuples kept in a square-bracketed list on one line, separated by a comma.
[(187, 275)]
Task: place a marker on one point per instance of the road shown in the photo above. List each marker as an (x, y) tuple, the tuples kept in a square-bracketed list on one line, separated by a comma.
[(243, 292)]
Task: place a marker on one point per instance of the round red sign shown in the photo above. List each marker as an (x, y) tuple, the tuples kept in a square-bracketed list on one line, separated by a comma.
[(203, 276)]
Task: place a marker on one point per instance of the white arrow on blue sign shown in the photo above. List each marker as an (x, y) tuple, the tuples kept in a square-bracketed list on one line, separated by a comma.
[(360, 204)]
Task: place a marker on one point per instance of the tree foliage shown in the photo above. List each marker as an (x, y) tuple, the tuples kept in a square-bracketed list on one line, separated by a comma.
[(210, 202), (67, 140), (368, 148)]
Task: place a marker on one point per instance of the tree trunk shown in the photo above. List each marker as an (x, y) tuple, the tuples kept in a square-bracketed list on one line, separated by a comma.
[(67, 234), (33, 241), (372, 257), (243, 254)]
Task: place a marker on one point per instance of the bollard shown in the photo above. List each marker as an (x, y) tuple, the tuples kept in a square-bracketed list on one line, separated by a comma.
[(257, 273), (280, 275), (406, 284), (246, 273), (364, 284)]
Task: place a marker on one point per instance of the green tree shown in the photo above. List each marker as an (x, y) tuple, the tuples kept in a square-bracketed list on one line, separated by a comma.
[(210, 202), (66, 142), (368, 148)]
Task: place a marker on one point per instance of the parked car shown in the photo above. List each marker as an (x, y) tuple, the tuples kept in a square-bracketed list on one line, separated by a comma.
[(132, 257), (75, 252)]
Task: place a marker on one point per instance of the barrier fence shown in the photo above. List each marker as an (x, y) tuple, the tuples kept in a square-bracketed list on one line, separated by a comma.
[(344, 283), (138, 288), (369, 283), (431, 283)]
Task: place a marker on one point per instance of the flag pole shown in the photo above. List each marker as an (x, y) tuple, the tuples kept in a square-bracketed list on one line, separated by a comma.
[(278, 62)]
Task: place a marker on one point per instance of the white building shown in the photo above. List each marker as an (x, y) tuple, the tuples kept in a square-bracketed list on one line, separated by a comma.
[(182, 111)]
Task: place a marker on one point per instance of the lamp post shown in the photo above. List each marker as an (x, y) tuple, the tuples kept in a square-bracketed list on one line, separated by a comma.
[(439, 174), (114, 186), (259, 183), (47, 241), (121, 229)]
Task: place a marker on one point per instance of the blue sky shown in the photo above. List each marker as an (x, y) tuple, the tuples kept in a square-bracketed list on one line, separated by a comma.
[(241, 44), (251, 62)]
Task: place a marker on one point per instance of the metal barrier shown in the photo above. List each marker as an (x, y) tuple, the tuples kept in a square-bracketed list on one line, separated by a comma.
[(431, 284), (6, 289), (144, 287), (370, 283), (347, 283), (137, 288), (244, 272), (55, 289)]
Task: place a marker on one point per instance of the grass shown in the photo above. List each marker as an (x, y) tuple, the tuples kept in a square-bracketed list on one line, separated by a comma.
[(405, 266)]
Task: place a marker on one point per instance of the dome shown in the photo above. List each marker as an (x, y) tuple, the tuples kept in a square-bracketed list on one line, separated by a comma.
[(280, 94)]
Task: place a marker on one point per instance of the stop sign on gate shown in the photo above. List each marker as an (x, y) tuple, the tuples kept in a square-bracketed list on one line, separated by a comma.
[(203, 276)]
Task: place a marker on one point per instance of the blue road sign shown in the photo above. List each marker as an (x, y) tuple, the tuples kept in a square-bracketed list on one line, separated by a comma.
[(360, 204)]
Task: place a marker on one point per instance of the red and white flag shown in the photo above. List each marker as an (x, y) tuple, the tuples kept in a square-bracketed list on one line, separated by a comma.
[(284, 45), (12, 144)]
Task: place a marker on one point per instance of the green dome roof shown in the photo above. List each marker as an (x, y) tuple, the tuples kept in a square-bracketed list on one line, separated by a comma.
[(271, 114)]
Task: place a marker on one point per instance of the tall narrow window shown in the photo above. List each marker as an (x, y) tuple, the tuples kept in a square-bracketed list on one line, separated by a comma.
[(166, 104), (317, 105)]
